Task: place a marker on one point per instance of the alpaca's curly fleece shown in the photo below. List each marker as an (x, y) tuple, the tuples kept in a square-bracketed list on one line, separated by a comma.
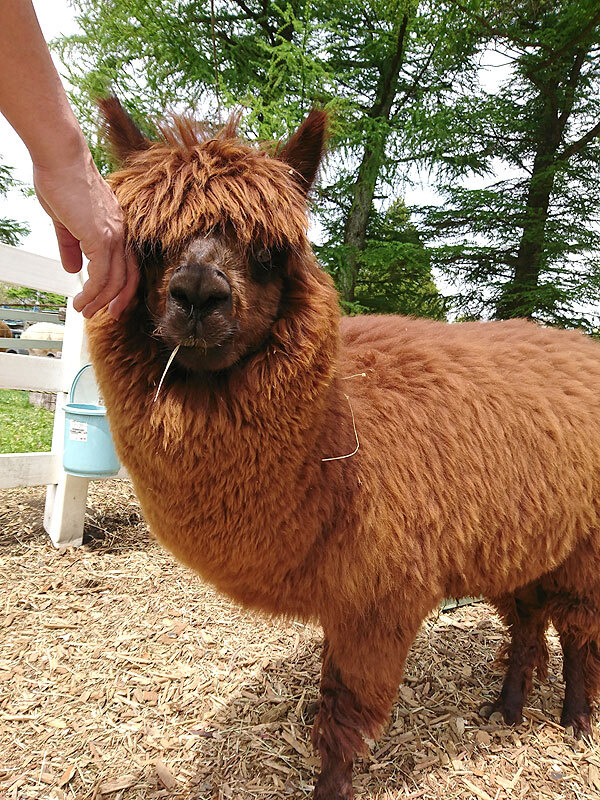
[(479, 463)]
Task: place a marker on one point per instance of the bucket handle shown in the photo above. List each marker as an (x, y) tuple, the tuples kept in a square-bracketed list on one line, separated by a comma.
[(76, 381)]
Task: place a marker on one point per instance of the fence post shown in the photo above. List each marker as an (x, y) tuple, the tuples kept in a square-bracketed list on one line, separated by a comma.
[(64, 513)]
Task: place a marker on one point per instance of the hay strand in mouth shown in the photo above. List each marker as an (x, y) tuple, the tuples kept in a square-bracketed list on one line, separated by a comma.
[(162, 377)]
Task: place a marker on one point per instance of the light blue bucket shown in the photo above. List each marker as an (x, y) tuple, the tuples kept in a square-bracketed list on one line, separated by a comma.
[(89, 451)]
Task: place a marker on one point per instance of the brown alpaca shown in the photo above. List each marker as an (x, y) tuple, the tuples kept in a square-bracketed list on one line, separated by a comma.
[(478, 469), (5, 333)]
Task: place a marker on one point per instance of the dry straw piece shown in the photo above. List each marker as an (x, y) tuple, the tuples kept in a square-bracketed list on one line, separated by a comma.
[(162, 377), (123, 676)]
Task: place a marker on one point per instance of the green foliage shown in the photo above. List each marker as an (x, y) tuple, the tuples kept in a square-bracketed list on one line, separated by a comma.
[(11, 231), (528, 244), (370, 64), (158, 57), (31, 297), (468, 89), (395, 271), (23, 428)]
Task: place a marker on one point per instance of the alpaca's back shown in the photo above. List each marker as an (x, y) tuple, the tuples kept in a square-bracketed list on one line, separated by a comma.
[(485, 439)]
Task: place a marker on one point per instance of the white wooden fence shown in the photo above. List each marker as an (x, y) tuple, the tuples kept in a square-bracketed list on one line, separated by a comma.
[(66, 495)]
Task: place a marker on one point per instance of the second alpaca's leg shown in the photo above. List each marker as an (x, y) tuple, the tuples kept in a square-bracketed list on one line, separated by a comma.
[(526, 615), (359, 682)]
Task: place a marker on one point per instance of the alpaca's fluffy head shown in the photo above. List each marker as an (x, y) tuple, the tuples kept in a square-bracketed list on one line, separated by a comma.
[(219, 228)]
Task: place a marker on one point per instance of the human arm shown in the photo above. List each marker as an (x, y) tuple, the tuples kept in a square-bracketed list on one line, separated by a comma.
[(84, 210)]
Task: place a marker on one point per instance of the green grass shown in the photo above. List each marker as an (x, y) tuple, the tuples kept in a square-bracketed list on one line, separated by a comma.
[(23, 428)]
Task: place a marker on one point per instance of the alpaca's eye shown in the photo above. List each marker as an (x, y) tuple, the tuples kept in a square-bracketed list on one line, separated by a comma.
[(266, 263), (263, 256)]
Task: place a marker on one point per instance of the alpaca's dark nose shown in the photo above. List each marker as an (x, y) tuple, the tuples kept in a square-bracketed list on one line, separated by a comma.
[(199, 291)]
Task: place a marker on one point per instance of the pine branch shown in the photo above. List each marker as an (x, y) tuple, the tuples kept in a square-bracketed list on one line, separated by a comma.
[(220, 34), (577, 147), (494, 30), (368, 21), (417, 80), (260, 17), (386, 91), (571, 86), (570, 44)]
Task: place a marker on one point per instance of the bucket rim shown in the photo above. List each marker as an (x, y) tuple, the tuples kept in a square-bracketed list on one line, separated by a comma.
[(85, 409), (91, 475)]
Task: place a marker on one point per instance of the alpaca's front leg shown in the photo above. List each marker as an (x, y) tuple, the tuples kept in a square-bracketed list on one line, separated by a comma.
[(336, 734), (359, 682)]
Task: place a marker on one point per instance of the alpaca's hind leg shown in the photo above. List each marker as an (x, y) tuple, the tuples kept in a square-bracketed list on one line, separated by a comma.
[(577, 708), (576, 617), (526, 616), (359, 682)]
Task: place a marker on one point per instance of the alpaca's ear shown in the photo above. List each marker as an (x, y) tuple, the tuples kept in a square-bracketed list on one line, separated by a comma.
[(304, 151), (124, 135)]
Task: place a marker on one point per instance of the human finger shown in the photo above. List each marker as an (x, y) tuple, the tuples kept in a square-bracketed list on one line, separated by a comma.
[(117, 278), (122, 300), (68, 248), (98, 277)]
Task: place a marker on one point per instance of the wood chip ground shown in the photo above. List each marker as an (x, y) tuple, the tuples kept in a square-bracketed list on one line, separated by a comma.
[(123, 676)]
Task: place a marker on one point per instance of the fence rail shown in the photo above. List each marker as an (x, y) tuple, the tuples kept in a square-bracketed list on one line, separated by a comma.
[(29, 469), (21, 268), (34, 373), (32, 316), (16, 343), (66, 495)]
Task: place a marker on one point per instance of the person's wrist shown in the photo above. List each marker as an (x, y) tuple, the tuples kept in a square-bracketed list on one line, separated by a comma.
[(61, 151)]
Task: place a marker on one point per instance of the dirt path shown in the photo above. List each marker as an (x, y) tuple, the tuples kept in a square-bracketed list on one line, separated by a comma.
[(122, 675)]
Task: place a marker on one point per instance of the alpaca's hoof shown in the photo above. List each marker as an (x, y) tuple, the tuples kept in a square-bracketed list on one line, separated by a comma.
[(328, 789), (577, 725), (341, 793), (513, 715), (498, 711)]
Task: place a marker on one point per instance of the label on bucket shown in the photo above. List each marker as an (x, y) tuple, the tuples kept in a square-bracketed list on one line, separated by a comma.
[(78, 431)]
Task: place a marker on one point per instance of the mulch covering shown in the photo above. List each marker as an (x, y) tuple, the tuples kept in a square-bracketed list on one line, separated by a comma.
[(123, 676)]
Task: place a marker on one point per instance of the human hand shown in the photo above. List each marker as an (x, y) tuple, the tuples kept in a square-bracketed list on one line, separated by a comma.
[(87, 219)]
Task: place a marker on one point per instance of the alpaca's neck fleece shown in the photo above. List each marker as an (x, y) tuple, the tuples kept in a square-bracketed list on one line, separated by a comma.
[(225, 466)]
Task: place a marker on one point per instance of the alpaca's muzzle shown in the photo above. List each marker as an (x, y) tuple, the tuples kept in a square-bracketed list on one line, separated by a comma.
[(198, 291)]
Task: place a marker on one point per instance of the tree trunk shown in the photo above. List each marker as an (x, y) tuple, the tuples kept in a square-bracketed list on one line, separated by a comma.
[(519, 296), (355, 230), (356, 224)]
